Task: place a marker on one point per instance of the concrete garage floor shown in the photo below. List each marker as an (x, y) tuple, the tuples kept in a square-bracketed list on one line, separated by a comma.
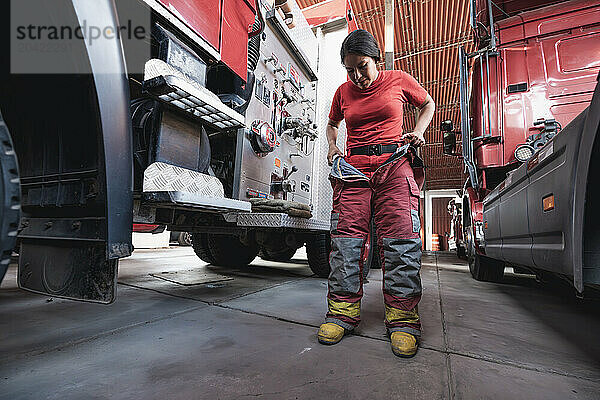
[(254, 336)]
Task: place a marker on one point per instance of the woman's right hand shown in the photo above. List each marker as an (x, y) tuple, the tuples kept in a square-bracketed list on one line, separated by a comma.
[(333, 150)]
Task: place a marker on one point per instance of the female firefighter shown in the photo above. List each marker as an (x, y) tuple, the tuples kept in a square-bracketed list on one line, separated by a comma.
[(378, 177)]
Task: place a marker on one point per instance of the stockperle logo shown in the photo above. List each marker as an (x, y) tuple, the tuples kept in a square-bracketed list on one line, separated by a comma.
[(78, 36)]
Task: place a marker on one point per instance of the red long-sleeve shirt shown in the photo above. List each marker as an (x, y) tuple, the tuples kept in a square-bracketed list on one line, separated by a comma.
[(374, 115)]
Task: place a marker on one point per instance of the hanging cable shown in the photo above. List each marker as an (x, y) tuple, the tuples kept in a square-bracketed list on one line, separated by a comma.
[(260, 19)]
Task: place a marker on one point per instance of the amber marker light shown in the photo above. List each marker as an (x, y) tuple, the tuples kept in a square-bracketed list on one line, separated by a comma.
[(548, 202)]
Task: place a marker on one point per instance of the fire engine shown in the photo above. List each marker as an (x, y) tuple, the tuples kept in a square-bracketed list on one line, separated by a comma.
[(213, 131), (530, 111)]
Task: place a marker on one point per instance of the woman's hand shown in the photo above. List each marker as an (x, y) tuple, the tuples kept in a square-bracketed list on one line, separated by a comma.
[(414, 138), (333, 150)]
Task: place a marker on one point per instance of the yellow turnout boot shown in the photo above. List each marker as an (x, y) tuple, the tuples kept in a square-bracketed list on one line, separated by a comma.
[(404, 344), (330, 333)]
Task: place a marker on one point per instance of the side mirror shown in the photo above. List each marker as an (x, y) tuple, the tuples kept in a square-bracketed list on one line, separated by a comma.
[(449, 138), (446, 126)]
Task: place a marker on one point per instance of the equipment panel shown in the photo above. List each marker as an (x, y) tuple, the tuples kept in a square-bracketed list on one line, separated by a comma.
[(279, 141)]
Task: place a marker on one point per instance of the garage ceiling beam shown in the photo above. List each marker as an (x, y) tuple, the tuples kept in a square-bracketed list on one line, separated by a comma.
[(389, 33)]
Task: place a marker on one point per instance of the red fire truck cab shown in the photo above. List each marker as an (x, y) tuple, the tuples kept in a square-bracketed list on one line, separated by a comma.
[(529, 119)]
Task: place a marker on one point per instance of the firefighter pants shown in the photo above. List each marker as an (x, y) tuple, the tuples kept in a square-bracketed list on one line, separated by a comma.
[(391, 195)]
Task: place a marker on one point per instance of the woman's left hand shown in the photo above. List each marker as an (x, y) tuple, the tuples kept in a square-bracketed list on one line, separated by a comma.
[(414, 138)]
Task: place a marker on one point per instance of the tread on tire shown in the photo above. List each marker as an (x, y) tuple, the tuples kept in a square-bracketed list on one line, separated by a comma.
[(486, 269), (318, 248), (200, 246), (229, 251)]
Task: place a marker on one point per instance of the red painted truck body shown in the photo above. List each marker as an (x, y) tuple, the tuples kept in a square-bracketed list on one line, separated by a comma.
[(532, 74), (555, 51), (224, 24)]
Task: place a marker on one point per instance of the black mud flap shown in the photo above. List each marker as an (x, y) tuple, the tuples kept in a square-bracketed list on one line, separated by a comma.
[(70, 271), (75, 159)]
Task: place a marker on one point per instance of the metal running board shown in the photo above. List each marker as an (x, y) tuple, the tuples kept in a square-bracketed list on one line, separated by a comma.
[(171, 86), (185, 200), (281, 220)]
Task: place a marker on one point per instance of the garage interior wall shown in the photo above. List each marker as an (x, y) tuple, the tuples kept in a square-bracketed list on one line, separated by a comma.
[(437, 219)]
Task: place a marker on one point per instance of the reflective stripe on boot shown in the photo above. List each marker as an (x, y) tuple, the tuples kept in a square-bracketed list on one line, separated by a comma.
[(342, 313), (342, 308), (395, 315), (403, 320)]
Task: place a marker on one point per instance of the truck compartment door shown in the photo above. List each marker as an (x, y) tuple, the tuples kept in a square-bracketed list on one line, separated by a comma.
[(204, 17), (491, 225), (516, 241)]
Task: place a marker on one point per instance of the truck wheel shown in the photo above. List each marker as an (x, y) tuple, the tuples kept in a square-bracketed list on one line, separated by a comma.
[(486, 269), (200, 246), (461, 252), (375, 264), (10, 198), (318, 247), (281, 255), (374, 261), (229, 251), (184, 239)]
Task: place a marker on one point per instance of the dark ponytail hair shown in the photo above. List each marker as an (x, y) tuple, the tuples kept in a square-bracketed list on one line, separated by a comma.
[(362, 43)]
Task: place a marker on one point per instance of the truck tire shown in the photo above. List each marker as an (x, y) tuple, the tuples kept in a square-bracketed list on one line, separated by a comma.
[(200, 246), (10, 198), (229, 251), (280, 255), (486, 269), (461, 252), (318, 247), (375, 261)]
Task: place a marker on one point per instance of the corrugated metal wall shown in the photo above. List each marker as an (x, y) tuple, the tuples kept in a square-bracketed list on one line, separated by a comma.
[(428, 34)]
